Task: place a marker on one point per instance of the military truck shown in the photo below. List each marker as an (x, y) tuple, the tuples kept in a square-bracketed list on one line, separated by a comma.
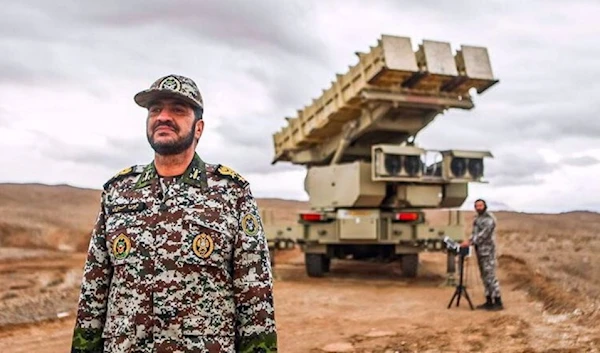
[(279, 237), (368, 181)]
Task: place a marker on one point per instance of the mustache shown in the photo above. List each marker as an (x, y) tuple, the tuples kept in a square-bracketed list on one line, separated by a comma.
[(165, 123)]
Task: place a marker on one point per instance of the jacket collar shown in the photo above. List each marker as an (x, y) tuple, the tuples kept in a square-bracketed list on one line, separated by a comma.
[(194, 175)]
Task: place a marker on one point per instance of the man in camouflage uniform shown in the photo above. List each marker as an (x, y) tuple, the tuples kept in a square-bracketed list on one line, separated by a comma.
[(178, 260), (483, 237)]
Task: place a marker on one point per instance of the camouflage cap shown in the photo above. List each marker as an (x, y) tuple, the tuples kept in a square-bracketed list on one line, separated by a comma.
[(171, 86)]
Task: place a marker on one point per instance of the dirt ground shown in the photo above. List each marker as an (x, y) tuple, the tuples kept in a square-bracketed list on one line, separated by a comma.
[(549, 270), (358, 307)]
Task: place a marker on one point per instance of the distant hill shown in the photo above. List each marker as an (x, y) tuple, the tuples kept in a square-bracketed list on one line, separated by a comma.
[(43, 216), (61, 216)]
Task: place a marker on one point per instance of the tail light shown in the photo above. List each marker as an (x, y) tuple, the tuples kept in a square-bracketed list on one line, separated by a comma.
[(312, 217), (407, 216)]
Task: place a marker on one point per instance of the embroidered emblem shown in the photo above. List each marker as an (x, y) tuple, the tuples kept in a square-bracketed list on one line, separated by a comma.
[(148, 174), (121, 246), (203, 245), (195, 174), (171, 83), (250, 224)]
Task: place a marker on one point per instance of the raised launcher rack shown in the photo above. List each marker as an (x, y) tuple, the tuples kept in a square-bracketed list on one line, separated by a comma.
[(388, 96)]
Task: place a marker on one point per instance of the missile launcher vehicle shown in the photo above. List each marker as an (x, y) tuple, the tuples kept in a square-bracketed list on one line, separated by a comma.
[(368, 181), (279, 238)]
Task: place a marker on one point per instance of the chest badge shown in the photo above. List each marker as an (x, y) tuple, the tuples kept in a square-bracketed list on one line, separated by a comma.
[(250, 224), (203, 245), (125, 208), (121, 246)]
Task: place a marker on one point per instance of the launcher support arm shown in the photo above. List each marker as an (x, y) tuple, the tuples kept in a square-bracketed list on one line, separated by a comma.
[(348, 130)]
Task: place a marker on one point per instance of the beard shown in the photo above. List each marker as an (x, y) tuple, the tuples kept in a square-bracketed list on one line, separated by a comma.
[(172, 147)]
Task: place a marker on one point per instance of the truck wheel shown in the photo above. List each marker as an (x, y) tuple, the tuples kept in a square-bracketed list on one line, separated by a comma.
[(315, 265), (410, 265)]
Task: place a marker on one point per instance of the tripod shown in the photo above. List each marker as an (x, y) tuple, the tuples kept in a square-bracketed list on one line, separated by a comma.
[(460, 288)]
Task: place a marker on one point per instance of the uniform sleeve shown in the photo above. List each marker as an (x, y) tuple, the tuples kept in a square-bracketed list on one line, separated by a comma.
[(483, 233), (91, 310), (253, 282)]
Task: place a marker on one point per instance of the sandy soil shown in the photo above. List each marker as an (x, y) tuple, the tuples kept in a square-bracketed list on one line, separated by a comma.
[(549, 270), (358, 307)]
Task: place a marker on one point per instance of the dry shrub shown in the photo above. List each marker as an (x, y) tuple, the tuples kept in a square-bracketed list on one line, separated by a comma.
[(540, 287)]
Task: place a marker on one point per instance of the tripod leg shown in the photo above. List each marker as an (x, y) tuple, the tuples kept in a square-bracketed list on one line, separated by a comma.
[(469, 299), (461, 274), (452, 299)]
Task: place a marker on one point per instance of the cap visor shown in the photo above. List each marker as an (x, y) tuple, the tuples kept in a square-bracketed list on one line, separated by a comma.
[(144, 98)]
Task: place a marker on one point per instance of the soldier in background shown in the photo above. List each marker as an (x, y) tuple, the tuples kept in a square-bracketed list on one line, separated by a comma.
[(178, 260), (483, 237)]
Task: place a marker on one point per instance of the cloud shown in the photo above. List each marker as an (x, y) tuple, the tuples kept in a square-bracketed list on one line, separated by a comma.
[(514, 168), (67, 86), (111, 33), (581, 161), (257, 26), (111, 153), (511, 169), (4, 119)]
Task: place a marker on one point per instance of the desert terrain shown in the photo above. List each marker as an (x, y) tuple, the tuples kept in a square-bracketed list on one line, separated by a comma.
[(549, 270)]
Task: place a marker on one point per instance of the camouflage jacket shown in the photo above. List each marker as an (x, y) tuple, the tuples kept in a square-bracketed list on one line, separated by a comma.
[(484, 234), (181, 270)]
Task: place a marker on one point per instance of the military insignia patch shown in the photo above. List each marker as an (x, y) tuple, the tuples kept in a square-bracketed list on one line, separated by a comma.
[(195, 174), (231, 174), (203, 245), (250, 224), (125, 171), (121, 246), (171, 83)]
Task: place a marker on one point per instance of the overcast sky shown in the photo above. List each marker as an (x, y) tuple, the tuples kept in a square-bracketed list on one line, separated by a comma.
[(69, 71)]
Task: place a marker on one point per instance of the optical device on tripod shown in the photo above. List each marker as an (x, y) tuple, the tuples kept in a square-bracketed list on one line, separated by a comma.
[(462, 251)]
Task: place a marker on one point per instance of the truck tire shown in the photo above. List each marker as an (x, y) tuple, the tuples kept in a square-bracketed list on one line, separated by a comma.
[(410, 265), (315, 265)]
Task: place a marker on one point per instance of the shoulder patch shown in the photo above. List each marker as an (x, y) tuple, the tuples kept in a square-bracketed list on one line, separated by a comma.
[(134, 169), (229, 173)]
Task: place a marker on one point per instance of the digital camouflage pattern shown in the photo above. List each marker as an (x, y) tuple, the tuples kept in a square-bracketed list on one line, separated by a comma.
[(174, 85), (181, 270), (487, 268), (484, 239)]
